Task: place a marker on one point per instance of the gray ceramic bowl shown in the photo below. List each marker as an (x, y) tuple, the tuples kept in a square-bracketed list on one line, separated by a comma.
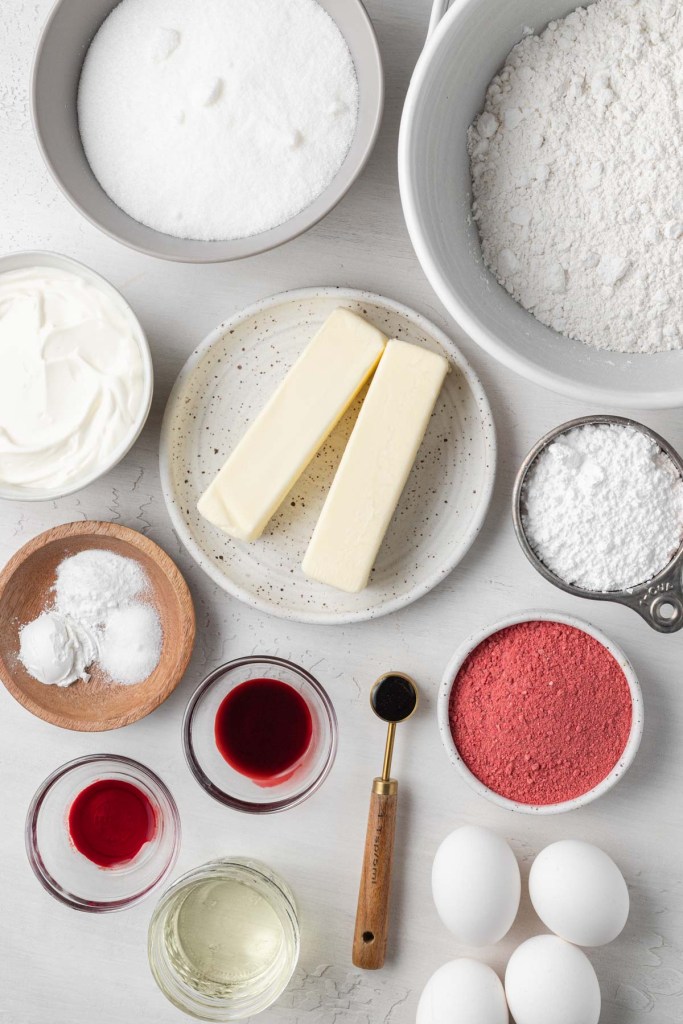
[(54, 84)]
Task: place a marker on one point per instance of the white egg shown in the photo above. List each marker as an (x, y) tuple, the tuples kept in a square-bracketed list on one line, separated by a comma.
[(549, 981), (476, 885), (463, 992), (579, 893)]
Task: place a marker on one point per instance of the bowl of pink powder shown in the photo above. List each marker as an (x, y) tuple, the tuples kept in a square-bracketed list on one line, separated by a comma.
[(540, 712)]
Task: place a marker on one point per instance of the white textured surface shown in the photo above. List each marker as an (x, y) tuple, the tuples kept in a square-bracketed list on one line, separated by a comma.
[(67, 968)]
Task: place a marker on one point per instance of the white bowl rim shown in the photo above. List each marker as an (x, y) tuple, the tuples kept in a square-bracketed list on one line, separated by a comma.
[(479, 333), (8, 493), (302, 295), (538, 615), (266, 244)]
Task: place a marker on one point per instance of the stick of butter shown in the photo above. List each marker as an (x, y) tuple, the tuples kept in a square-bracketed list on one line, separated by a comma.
[(375, 466), (293, 425)]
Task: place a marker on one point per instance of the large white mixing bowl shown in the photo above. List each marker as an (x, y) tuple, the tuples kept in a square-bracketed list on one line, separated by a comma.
[(467, 45)]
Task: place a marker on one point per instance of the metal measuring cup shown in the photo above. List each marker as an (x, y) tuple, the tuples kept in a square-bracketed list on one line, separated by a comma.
[(658, 600)]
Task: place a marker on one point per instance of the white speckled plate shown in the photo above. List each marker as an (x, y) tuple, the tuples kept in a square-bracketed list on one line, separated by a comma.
[(228, 379)]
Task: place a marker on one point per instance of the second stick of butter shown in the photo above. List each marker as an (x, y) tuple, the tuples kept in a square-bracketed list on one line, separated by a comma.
[(375, 466)]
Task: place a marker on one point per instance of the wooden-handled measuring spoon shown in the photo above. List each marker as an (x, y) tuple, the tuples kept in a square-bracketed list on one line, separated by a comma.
[(393, 698)]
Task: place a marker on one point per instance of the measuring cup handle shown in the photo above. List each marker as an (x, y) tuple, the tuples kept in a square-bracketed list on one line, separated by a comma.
[(439, 8), (661, 602)]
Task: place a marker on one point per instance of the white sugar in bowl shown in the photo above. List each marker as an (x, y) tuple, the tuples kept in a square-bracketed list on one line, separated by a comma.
[(61, 49)]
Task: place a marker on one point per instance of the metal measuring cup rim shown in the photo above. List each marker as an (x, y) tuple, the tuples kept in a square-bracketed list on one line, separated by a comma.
[(651, 598)]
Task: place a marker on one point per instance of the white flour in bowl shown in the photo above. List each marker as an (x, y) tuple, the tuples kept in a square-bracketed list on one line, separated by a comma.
[(576, 166), (217, 119)]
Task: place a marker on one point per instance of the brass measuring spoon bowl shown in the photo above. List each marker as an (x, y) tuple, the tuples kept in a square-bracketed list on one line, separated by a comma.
[(394, 698)]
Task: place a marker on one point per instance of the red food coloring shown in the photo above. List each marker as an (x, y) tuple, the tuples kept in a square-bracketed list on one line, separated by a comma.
[(540, 712), (263, 729), (110, 821)]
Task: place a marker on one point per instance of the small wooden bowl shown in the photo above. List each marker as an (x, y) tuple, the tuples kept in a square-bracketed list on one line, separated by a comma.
[(98, 704)]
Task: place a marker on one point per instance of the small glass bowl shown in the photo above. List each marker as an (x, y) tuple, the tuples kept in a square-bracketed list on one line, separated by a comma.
[(219, 1000), (65, 872), (218, 778)]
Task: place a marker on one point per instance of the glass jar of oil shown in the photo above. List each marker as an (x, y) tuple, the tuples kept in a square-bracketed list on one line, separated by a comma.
[(224, 940)]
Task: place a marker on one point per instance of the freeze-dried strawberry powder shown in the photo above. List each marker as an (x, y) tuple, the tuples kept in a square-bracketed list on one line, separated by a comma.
[(540, 712)]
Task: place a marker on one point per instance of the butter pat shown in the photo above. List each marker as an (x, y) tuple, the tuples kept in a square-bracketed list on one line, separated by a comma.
[(375, 466), (288, 432)]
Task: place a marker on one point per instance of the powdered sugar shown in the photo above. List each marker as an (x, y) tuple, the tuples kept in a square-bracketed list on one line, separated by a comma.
[(576, 175), (604, 507), (217, 119)]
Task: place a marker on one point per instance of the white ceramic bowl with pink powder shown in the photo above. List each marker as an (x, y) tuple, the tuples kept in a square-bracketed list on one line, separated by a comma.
[(608, 781)]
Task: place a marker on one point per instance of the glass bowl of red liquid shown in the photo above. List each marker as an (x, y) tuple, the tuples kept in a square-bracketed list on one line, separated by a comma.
[(260, 734), (102, 832), (547, 739)]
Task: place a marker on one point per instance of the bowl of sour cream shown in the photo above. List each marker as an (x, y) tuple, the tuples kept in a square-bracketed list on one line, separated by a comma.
[(76, 376)]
